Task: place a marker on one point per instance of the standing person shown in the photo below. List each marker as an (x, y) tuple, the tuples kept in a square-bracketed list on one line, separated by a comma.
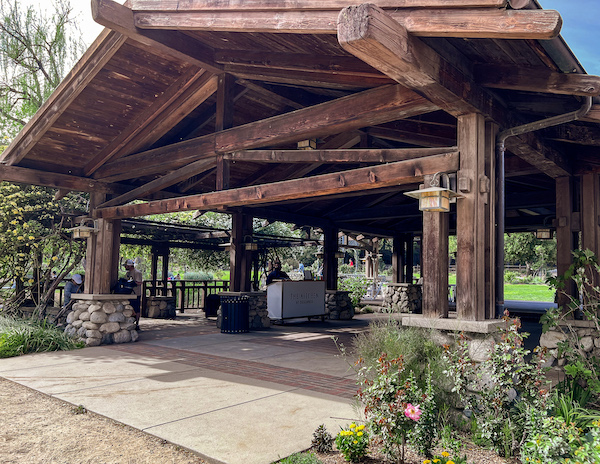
[(276, 273), (73, 286), (135, 276)]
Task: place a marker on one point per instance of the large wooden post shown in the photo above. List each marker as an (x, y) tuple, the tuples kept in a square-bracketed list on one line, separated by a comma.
[(398, 258), (590, 212), (470, 219), (330, 248), (434, 263), (564, 234), (489, 184), (410, 257), (102, 252), (240, 259)]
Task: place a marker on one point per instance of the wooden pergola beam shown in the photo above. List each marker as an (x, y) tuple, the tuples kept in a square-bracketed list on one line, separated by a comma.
[(66, 182), (357, 180), (373, 106), (120, 18), (353, 156), (278, 5), (92, 62), (475, 23), (536, 79)]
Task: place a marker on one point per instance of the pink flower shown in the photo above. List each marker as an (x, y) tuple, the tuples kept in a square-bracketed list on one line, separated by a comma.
[(412, 412)]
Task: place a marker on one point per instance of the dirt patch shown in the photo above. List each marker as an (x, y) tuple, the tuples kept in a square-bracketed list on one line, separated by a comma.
[(36, 428)]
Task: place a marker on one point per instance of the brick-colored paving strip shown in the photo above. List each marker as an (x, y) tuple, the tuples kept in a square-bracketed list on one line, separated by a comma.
[(322, 383)]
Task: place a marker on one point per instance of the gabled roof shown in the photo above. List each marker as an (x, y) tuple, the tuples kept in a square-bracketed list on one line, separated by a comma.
[(141, 115)]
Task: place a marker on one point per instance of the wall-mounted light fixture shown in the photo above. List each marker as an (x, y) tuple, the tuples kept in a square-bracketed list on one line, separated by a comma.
[(435, 198), (83, 231)]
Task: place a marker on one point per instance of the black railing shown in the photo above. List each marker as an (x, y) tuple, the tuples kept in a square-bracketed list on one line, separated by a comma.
[(189, 294)]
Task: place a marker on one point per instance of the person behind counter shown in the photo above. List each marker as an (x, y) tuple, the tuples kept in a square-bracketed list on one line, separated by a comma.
[(276, 273)]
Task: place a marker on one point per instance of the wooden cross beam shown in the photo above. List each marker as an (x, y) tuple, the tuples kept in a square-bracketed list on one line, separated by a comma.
[(449, 22), (373, 106), (357, 180)]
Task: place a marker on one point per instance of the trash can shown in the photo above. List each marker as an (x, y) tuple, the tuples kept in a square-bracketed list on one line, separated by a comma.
[(211, 305), (235, 317)]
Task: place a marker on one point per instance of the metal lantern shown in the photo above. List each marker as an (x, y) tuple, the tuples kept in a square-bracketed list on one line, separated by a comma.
[(543, 234), (435, 198), (82, 231)]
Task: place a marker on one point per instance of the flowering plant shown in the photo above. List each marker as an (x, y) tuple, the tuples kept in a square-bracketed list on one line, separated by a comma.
[(391, 404), (445, 458), (353, 442)]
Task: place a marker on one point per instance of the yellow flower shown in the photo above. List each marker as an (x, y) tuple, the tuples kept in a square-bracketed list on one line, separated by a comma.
[(427, 461), (445, 454), (30, 281), (355, 442), (360, 427), (31, 237), (54, 258), (359, 434), (449, 462), (20, 237), (436, 460), (352, 425)]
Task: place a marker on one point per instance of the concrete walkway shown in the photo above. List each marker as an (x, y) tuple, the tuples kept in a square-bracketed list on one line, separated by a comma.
[(233, 398)]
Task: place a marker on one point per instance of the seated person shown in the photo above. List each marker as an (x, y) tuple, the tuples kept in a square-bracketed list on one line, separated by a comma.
[(276, 273), (75, 285)]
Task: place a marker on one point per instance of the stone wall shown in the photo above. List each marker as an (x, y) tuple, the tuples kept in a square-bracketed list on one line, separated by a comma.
[(589, 339), (102, 321), (402, 298), (258, 314), (161, 307), (338, 305)]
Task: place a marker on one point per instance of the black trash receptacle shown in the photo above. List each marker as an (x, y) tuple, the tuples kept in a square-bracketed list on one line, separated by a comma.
[(211, 305), (235, 317)]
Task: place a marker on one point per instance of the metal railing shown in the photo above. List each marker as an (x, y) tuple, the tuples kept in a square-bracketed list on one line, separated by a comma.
[(188, 294)]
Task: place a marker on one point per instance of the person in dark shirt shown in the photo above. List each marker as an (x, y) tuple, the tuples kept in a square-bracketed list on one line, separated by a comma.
[(276, 273)]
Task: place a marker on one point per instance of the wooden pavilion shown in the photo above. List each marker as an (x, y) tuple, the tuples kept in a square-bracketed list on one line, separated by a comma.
[(323, 114)]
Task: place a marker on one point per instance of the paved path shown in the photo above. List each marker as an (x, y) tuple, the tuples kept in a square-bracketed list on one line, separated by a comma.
[(232, 398)]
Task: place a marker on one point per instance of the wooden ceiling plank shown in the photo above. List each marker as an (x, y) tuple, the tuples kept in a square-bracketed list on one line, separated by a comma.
[(163, 182), (358, 180), (354, 156), (67, 182), (538, 79), (92, 62), (297, 61), (278, 5), (461, 23), (194, 81), (373, 106), (120, 18)]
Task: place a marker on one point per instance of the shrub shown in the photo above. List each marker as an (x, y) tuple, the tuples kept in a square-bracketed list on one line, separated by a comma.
[(198, 276), (357, 286), (322, 440), (19, 337)]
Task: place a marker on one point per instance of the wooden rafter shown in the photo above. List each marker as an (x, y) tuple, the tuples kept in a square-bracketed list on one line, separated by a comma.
[(101, 51), (120, 18), (193, 88), (335, 156), (374, 106), (536, 80), (472, 23), (358, 180), (277, 5), (65, 182)]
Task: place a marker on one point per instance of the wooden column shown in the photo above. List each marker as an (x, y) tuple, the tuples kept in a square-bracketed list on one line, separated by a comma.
[(330, 267), (470, 219), (564, 234), (434, 263), (488, 186), (590, 213), (101, 268), (240, 259), (224, 120), (410, 255), (398, 258)]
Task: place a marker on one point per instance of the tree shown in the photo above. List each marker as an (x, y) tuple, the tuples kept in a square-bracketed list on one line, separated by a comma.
[(36, 51), (525, 248)]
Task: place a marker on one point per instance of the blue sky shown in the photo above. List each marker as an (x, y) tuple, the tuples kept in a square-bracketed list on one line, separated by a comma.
[(580, 30)]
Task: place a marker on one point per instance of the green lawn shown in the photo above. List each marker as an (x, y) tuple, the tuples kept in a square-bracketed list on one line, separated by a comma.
[(528, 292)]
